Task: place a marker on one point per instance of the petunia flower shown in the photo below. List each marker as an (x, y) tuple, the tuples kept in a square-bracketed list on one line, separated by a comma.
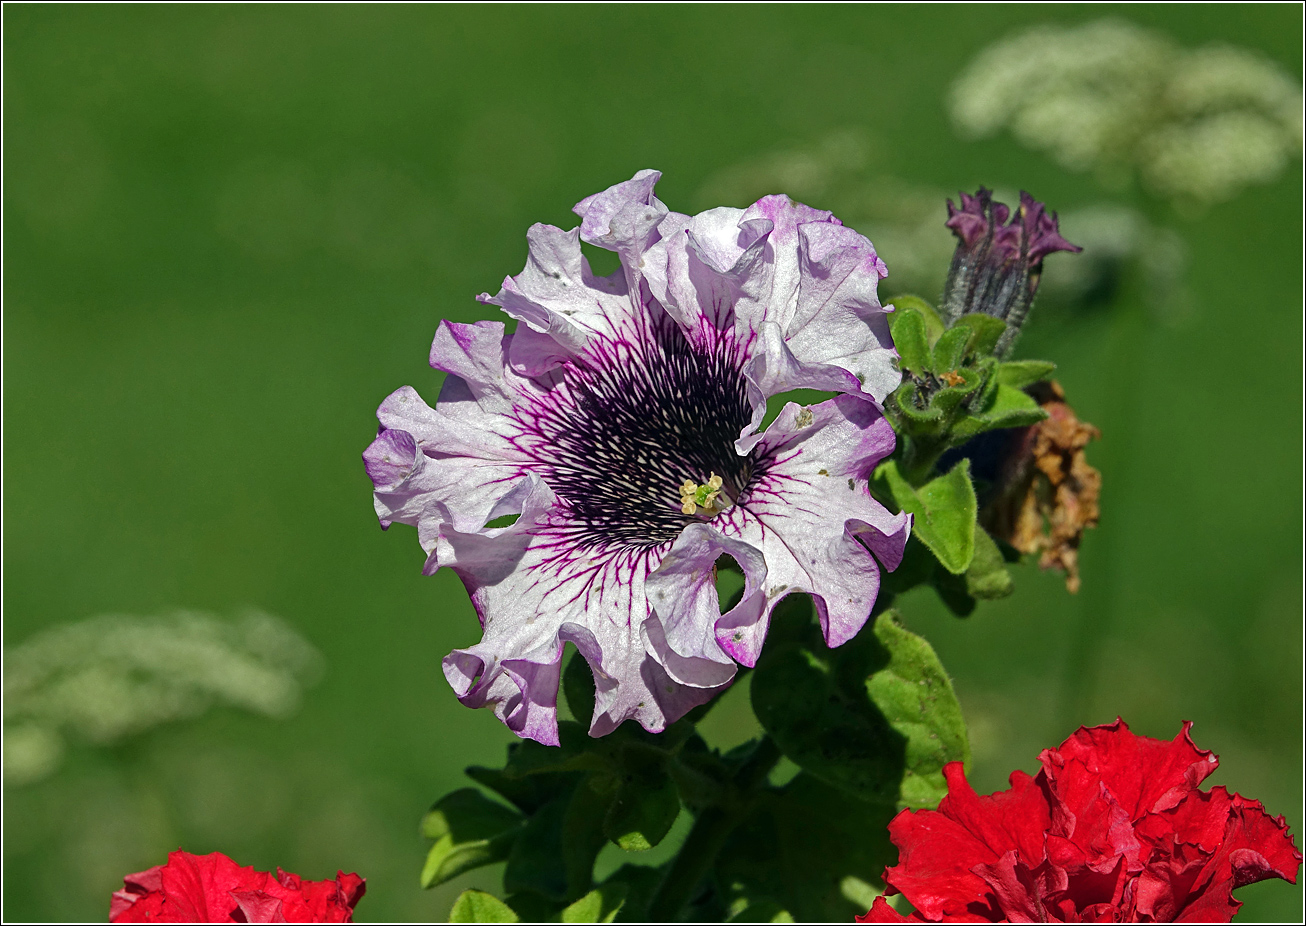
[(1113, 829), (620, 425), (214, 889)]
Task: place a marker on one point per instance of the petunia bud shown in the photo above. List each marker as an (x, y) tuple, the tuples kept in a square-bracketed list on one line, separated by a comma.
[(996, 267)]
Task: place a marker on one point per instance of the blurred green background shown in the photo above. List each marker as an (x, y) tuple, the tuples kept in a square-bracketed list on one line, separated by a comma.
[(230, 232)]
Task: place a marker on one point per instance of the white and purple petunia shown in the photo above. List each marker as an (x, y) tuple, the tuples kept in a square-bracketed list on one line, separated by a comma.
[(621, 424)]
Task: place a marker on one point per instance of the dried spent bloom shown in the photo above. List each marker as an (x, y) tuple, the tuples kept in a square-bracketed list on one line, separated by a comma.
[(1048, 493), (997, 264), (1113, 829), (618, 403), (214, 889)]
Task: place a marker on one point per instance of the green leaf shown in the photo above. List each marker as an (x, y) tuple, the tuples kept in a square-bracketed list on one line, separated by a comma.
[(470, 831), (796, 849), (908, 330), (645, 807), (536, 861), (876, 717), (985, 331), (916, 697), (480, 907), (933, 324), (1021, 373), (554, 854), (943, 509), (950, 350), (637, 882), (600, 905), (987, 576)]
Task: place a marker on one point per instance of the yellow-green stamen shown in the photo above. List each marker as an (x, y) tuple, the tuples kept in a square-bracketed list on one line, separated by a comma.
[(703, 499)]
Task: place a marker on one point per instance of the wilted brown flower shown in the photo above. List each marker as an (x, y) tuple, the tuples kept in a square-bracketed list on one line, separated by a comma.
[(1049, 493)]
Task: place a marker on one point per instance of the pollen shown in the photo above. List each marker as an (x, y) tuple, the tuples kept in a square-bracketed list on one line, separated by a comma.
[(706, 499)]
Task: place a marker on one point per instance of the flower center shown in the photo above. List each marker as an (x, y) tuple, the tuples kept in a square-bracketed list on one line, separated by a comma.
[(632, 422), (705, 499)]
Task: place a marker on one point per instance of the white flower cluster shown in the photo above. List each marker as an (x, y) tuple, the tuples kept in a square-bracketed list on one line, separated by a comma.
[(111, 676), (1196, 124)]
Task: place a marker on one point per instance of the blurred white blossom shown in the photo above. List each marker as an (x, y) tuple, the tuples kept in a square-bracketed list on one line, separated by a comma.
[(108, 677), (1196, 124)]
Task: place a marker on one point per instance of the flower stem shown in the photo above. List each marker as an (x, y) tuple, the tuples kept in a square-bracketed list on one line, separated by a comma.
[(710, 832)]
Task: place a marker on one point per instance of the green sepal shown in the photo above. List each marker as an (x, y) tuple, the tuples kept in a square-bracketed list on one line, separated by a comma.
[(1010, 408), (600, 905), (480, 907), (909, 338), (950, 350), (949, 397), (943, 511), (985, 331), (987, 577), (470, 831), (645, 807), (927, 419), (933, 324), (1018, 374)]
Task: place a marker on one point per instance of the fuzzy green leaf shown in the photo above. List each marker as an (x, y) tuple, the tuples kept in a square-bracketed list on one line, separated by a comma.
[(943, 511), (933, 324), (950, 351), (987, 576), (1021, 373), (908, 329), (470, 831), (985, 331), (480, 907), (916, 697), (876, 717)]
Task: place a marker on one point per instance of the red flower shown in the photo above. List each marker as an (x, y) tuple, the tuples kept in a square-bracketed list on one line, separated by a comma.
[(214, 889), (1113, 829)]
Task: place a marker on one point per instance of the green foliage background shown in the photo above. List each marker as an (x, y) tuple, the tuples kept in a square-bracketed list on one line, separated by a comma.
[(231, 231)]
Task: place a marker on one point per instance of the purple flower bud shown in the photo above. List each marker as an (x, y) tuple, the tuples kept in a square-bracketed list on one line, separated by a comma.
[(997, 264)]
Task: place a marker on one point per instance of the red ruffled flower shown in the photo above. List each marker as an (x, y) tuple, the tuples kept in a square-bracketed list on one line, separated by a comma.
[(214, 889), (1113, 829)]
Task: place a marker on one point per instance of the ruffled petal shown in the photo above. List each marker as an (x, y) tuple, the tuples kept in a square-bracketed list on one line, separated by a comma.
[(557, 295), (533, 594), (812, 514), (1143, 775), (687, 633), (940, 850), (624, 218)]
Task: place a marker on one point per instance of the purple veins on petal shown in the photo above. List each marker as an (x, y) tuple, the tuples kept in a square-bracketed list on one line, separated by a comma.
[(620, 425)]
